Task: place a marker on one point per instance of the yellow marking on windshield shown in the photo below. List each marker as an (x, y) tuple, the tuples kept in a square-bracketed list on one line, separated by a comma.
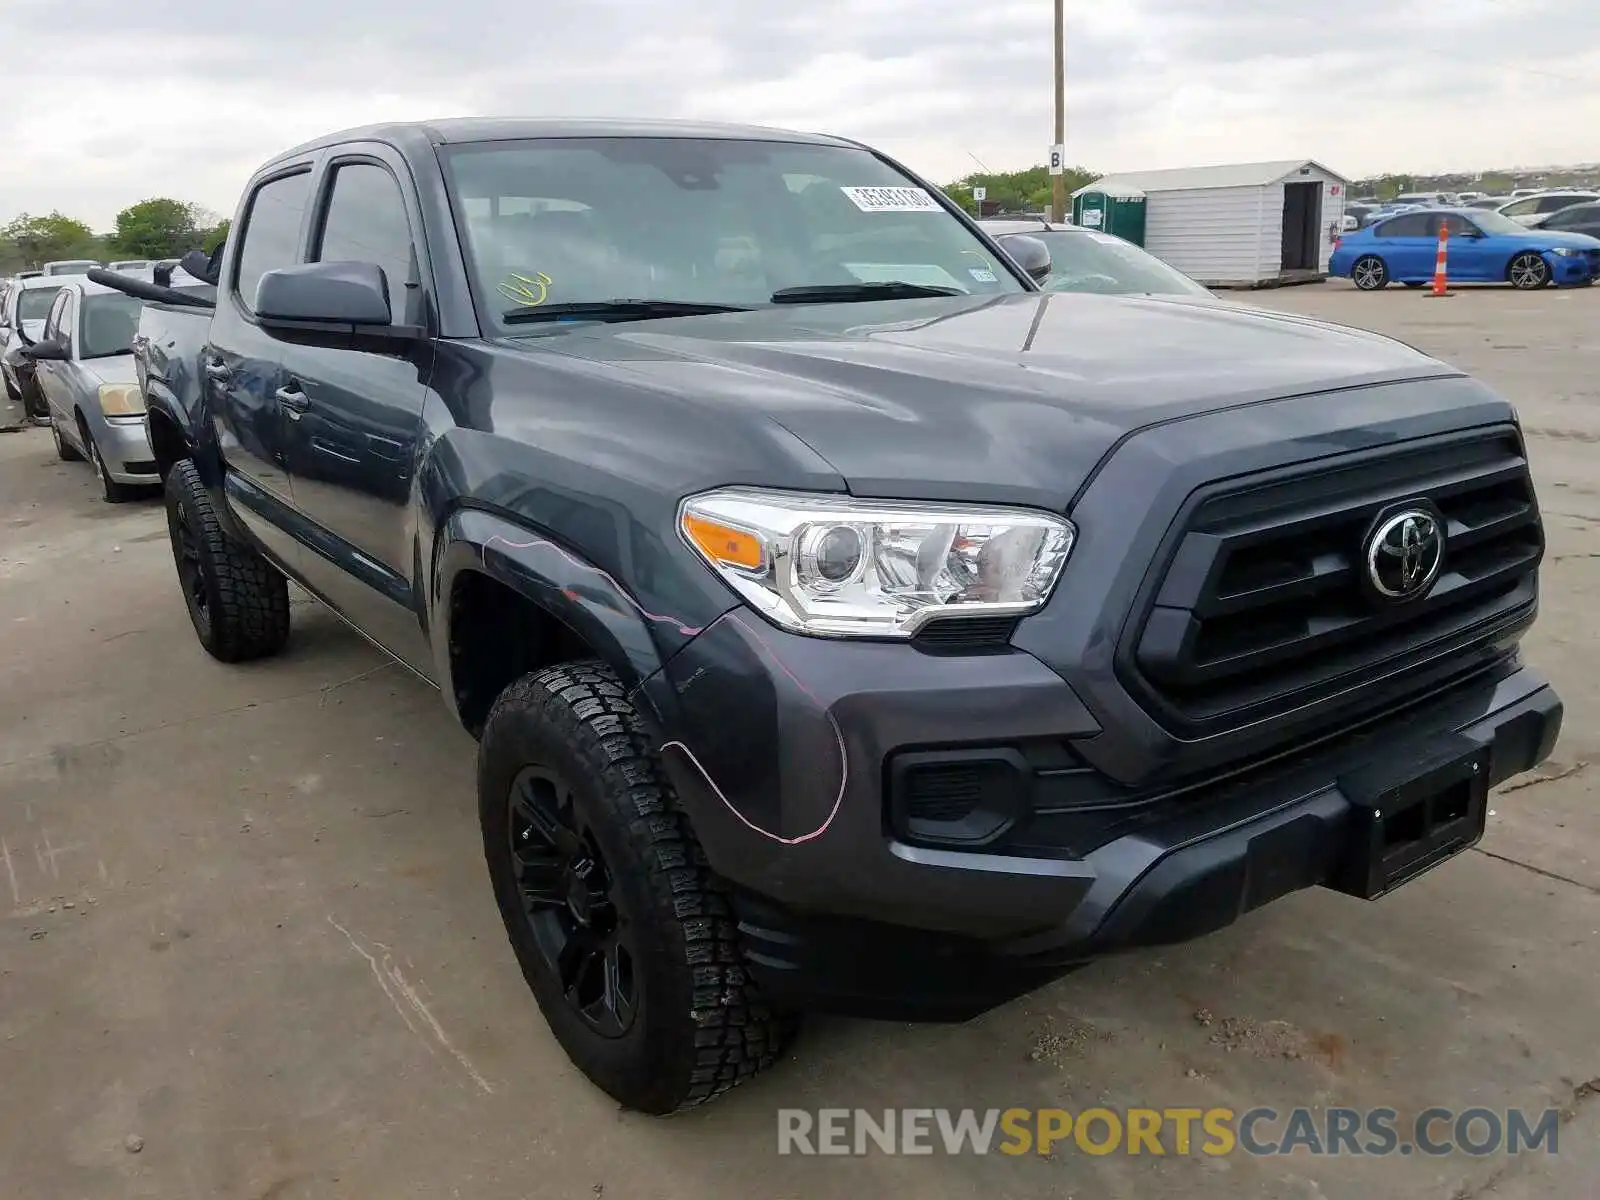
[(524, 290)]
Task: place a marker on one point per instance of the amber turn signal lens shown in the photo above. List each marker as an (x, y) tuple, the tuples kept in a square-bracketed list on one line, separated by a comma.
[(724, 544)]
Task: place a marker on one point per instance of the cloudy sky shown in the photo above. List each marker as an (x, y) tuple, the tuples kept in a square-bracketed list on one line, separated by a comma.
[(109, 102)]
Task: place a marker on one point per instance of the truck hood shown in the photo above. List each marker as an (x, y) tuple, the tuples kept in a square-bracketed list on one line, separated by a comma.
[(1011, 398)]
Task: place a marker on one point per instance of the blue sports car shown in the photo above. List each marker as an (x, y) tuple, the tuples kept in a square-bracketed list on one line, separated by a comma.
[(1484, 247)]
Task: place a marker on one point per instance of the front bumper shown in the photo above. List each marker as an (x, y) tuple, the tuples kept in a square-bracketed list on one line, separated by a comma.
[(125, 450), (1569, 270), (846, 915)]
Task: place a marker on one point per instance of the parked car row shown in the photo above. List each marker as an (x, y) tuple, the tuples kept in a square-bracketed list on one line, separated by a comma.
[(1483, 247), (66, 353), (1524, 206)]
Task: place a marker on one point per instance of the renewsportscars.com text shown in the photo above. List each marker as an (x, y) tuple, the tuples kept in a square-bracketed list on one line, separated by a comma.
[(1161, 1131)]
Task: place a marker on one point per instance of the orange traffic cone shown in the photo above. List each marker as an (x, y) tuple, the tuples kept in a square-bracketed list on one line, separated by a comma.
[(1441, 273)]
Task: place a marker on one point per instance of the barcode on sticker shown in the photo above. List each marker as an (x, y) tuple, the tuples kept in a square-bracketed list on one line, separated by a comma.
[(891, 199)]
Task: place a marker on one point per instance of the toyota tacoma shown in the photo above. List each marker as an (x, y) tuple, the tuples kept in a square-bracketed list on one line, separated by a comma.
[(846, 624)]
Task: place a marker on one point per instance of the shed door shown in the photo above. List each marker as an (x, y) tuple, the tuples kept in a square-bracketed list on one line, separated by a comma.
[(1302, 226)]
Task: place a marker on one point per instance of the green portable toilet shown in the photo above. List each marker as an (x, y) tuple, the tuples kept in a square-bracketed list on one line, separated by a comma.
[(1113, 210)]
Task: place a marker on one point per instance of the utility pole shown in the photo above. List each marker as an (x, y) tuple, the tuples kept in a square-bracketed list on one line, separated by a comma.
[(1058, 183)]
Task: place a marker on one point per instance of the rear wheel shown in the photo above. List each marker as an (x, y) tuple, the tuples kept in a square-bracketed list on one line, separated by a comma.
[(238, 602), (11, 389), (623, 933), (1369, 273), (1528, 271)]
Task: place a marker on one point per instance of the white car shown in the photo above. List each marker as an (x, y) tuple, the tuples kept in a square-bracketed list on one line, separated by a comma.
[(1529, 209), (87, 375), (1088, 260), (70, 266), (26, 305)]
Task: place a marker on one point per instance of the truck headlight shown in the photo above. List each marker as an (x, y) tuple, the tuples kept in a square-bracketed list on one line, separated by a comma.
[(121, 400), (839, 567)]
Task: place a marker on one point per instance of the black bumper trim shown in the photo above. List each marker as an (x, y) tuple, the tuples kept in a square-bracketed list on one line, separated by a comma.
[(1179, 880)]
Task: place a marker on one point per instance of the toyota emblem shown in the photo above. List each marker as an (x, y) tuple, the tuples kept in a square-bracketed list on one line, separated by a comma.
[(1404, 554)]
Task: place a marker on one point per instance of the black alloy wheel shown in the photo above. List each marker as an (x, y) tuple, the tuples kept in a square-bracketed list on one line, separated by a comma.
[(191, 576), (574, 911)]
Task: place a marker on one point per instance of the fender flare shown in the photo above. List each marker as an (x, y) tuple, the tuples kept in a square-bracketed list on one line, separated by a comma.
[(161, 406), (561, 582)]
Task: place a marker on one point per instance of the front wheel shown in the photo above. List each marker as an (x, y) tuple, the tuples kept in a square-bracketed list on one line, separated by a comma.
[(1369, 273), (623, 933), (63, 451), (110, 489), (238, 602), (1528, 272)]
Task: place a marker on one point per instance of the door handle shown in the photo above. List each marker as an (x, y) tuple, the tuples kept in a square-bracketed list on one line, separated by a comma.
[(293, 400), (216, 369)]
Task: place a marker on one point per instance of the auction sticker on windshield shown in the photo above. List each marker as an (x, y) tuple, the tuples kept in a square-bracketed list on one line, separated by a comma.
[(891, 199)]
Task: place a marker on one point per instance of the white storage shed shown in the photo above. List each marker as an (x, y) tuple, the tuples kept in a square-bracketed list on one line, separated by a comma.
[(1246, 225)]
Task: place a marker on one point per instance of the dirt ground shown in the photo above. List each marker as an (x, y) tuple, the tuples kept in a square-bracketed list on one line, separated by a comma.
[(247, 948)]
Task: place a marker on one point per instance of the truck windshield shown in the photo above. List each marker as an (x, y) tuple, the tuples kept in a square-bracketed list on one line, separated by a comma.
[(587, 221)]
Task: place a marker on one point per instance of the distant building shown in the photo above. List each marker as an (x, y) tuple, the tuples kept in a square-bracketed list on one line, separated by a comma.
[(1245, 225)]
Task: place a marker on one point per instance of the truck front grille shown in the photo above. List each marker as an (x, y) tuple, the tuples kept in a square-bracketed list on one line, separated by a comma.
[(1263, 606)]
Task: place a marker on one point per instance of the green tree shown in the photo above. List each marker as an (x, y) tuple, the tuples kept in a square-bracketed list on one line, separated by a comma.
[(1015, 191), (157, 228), (35, 240), (217, 235)]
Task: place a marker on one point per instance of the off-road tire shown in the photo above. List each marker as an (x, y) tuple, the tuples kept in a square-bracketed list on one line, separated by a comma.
[(245, 614), (700, 1025)]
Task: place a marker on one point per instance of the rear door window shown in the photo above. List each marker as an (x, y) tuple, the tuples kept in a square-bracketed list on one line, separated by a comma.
[(1407, 225), (1455, 223)]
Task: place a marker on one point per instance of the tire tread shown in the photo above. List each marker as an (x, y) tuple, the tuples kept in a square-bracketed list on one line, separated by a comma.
[(731, 1033), (250, 597)]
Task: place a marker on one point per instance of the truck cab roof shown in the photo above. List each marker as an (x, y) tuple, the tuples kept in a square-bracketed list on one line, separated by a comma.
[(416, 135)]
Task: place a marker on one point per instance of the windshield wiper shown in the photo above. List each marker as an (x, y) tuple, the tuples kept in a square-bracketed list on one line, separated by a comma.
[(614, 310), (848, 293)]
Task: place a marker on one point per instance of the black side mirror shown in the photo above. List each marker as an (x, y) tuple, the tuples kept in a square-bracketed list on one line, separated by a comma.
[(46, 350), (1029, 253), (325, 293)]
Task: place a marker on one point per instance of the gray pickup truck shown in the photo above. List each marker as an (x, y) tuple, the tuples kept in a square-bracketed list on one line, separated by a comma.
[(845, 622)]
